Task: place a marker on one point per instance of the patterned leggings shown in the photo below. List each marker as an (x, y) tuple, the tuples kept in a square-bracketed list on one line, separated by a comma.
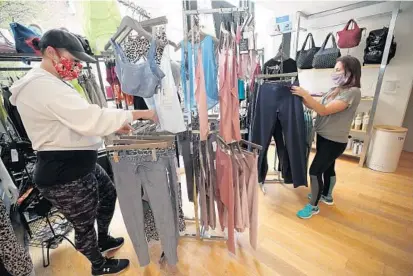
[(90, 198)]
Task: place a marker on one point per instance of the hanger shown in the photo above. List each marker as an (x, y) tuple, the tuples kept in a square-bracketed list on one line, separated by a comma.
[(128, 24), (281, 56)]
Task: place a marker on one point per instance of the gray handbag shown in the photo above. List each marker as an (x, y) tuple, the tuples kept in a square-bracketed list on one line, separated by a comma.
[(305, 57), (326, 58)]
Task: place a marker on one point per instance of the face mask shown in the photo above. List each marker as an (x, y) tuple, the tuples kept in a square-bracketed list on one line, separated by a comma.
[(67, 69), (339, 79)]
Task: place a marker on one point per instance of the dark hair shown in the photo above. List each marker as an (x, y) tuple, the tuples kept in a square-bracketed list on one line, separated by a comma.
[(352, 69)]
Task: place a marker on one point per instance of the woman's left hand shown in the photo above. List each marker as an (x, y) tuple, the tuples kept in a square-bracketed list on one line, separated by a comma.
[(299, 91)]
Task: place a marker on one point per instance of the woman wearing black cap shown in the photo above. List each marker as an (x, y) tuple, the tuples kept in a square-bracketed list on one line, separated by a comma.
[(66, 131)]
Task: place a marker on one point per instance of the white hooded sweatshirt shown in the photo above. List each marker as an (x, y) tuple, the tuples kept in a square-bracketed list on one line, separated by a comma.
[(57, 118)]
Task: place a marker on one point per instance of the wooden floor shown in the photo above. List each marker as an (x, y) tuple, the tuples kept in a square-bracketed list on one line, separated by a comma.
[(368, 232)]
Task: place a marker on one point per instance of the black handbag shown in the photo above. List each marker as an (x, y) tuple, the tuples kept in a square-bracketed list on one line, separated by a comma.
[(326, 58), (305, 57), (375, 44)]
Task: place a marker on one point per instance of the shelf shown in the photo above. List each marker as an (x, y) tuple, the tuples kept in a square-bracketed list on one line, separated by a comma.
[(358, 131), (371, 66)]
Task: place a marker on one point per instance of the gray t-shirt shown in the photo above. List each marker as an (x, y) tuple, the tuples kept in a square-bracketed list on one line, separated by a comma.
[(336, 127)]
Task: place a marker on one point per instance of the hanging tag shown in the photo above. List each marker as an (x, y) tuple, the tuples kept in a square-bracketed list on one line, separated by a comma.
[(154, 155), (191, 148), (214, 146), (215, 164), (14, 155), (116, 157)]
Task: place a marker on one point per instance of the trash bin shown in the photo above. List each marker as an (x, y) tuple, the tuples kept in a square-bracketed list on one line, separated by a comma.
[(386, 147)]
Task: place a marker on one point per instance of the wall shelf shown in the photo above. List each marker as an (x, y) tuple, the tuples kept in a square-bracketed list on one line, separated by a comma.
[(358, 131)]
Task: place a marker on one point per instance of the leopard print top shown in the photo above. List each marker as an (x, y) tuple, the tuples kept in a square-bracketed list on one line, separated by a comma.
[(12, 254), (136, 47)]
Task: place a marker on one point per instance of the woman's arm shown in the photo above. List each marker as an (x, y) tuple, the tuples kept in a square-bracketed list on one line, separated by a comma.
[(322, 110)]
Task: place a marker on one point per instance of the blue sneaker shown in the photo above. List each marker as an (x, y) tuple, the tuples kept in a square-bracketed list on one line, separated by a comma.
[(308, 211)]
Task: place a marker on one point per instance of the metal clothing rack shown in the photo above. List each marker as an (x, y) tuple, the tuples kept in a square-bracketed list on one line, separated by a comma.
[(200, 231), (394, 13)]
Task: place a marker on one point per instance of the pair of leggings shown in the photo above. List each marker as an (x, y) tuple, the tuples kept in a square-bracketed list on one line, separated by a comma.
[(90, 198), (159, 182), (322, 172), (279, 114)]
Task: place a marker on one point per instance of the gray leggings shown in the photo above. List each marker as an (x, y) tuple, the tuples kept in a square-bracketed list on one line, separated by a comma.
[(159, 182)]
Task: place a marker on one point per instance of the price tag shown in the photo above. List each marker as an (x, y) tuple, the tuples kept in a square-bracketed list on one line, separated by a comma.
[(154, 155), (116, 157), (14, 155), (214, 146), (243, 46), (215, 164)]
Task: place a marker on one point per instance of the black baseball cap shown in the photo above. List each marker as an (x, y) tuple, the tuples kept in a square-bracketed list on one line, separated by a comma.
[(62, 39)]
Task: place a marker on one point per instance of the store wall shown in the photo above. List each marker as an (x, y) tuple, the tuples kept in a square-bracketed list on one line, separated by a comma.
[(408, 123), (392, 104)]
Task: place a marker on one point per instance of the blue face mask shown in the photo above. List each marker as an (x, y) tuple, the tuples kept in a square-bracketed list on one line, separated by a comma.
[(138, 79), (339, 79)]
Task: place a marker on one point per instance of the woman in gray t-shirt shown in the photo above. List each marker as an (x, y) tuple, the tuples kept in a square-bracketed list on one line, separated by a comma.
[(335, 113)]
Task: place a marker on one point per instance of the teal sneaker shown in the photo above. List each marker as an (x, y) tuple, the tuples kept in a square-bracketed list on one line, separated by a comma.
[(325, 199), (308, 211)]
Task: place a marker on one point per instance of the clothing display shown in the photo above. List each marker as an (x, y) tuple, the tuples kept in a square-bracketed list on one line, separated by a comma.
[(228, 95), (13, 114), (137, 170), (166, 102), (280, 115), (93, 91), (210, 72), (131, 75)]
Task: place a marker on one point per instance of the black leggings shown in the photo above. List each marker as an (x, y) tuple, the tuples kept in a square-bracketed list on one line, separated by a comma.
[(322, 169)]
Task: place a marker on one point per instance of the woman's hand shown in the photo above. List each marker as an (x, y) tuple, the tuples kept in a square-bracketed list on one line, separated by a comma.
[(145, 115), (301, 92), (125, 129), (151, 115)]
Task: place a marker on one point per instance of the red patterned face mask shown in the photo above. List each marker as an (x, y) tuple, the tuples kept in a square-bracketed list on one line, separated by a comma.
[(67, 69)]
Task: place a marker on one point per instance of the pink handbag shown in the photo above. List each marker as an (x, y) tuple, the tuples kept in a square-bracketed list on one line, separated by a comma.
[(349, 38)]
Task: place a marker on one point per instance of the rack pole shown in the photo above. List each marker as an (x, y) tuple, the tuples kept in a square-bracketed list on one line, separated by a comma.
[(100, 78), (380, 78), (209, 11)]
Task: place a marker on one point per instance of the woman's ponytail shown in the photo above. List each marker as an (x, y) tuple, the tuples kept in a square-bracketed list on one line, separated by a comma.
[(34, 43)]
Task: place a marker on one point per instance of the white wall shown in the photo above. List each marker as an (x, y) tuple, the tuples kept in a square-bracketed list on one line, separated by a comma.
[(391, 108)]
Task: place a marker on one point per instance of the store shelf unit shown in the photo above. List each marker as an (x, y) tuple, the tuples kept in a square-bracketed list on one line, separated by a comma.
[(381, 67), (370, 66)]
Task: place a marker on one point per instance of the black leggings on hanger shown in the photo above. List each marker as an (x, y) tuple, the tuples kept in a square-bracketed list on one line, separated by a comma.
[(322, 168)]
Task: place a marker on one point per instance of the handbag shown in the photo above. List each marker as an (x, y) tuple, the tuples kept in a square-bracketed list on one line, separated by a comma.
[(375, 44), (141, 79), (326, 58), (21, 35), (349, 38), (305, 57)]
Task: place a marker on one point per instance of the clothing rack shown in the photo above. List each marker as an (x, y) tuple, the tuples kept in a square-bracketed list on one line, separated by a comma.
[(200, 231), (394, 14)]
